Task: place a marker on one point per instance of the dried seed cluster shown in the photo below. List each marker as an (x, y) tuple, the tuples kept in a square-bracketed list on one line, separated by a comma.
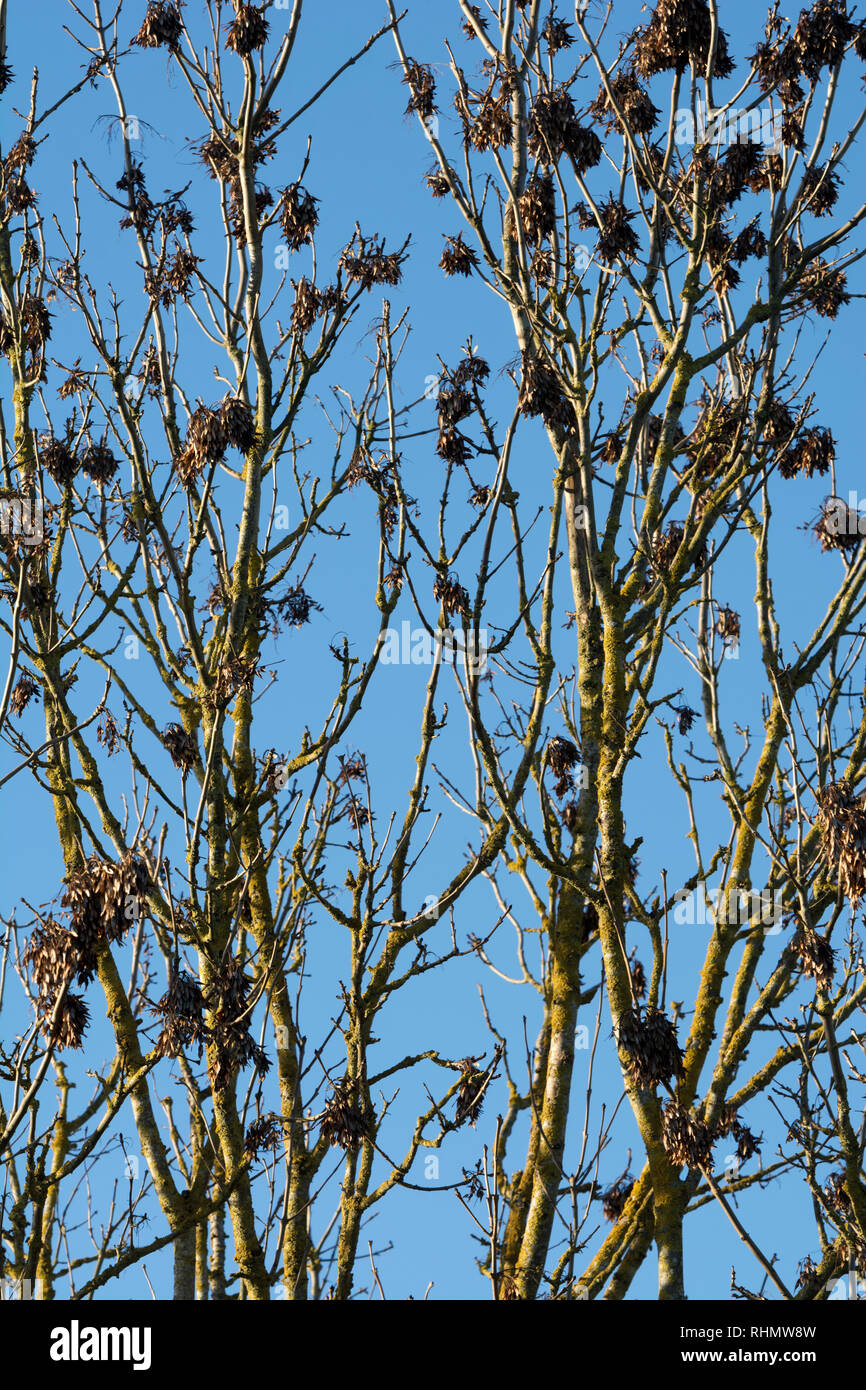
[(470, 1095), (211, 430), (614, 1200), (679, 32), (842, 820), (231, 1046), (687, 1140), (366, 262), (650, 1042), (264, 1133), (181, 746), (541, 394), (182, 1011), (247, 31), (162, 26), (448, 591), (816, 956), (561, 757), (345, 1123)]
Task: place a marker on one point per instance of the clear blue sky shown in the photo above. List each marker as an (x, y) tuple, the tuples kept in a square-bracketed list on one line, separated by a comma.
[(367, 165)]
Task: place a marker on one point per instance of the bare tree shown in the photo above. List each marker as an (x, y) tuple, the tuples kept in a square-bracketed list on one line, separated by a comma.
[(251, 918)]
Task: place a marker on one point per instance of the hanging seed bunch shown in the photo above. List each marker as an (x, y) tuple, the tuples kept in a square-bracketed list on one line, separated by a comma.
[(17, 194), (181, 746), (813, 453), (687, 1140), (181, 1009), (217, 600), (842, 821), (489, 127), (366, 263), (361, 468), (749, 242), (56, 456), (296, 606), (237, 422), (777, 64), (728, 626), (422, 89), (571, 816), (824, 289), (719, 251), (679, 33), (729, 1125), (557, 35), (357, 815), (638, 980), (458, 258), (206, 442), (162, 26), (550, 122), (614, 1200), (306, 308), (232, 677), (821, 37), (542, 267), (437, 182), (453, 403), (611, 449), (685, 719), (25, 690), (72, 1023), (468, 27), (617, 238), (736, 169), (232, 1045), (561, 757), (779, 426), (541, 394), (816, 956), (828, 531), (353, 768), (345, 1123), (641, 114), (247, 31), (76, 381), (148, 373), (219, 154), (99, 463), (299, 216), (470, 1096), (98, 896), (179, 272), (54, 957), (836, 1192), (665, 545), (651, 1045), (35, 332), (820, 191), (537, 209), (451, 594), (264, 1133), (715, 439), (108, 734), (237, 215), (6, 75), (807, 1275), (768, 176), (479, 497), (747, 1144)]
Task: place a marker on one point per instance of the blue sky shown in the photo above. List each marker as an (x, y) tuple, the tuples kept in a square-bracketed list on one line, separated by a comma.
[(367, 165)]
